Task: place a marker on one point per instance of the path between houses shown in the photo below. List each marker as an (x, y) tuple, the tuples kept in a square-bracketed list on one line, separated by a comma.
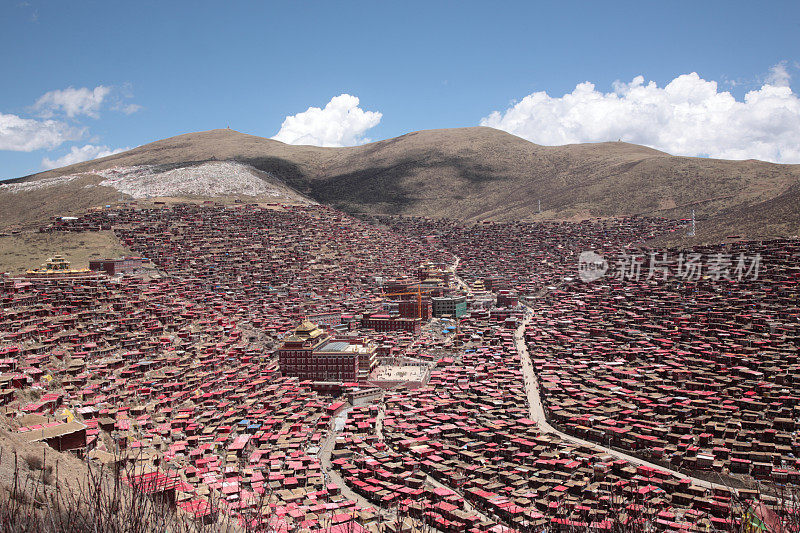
[(458, 279), (467, 506), (333, 475), (379, 421), (537, 413)]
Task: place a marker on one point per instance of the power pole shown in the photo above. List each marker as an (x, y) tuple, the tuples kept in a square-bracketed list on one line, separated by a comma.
[(694, 227)]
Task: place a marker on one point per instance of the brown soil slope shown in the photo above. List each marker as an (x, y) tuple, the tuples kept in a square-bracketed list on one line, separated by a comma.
[(483, 173), (776, 217), (19, 253)]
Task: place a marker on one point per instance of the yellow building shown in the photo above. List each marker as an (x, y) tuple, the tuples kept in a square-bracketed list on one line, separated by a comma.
[(57, 266)]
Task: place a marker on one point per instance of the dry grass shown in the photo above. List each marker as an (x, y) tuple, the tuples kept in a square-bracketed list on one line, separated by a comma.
[(30, 250), (30, 209), (776, 217)]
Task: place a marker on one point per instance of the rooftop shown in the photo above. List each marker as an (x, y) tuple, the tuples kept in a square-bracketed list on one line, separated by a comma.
[(334, 346)]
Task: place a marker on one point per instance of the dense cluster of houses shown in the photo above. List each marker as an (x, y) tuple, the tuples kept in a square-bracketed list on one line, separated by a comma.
[(526, 257), (268, 266), (177, 371), (701, 375), (469, 430), (156, 380)]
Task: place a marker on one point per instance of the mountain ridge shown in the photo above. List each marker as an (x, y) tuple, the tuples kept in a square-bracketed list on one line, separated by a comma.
[(480, 173)]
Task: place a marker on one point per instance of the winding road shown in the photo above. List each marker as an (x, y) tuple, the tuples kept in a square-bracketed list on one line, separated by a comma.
[(537, 412), (536, 407)]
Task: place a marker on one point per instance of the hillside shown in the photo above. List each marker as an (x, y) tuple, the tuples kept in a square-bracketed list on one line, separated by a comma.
[(776, 217), (469, 174)]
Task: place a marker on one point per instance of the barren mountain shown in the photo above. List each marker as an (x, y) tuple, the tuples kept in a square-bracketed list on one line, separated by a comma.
[(470, 174)]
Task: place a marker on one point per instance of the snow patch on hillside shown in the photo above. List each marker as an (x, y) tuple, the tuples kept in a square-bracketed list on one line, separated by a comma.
[(38, 184), (214, 178), (218, 178)]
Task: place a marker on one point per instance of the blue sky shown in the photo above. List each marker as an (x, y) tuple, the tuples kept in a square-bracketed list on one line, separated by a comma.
[(166, 68)]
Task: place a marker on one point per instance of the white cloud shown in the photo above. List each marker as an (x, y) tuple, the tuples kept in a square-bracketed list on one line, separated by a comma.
[(26, 134), (79, 155), (129, 109), (73, 102), (340, 123), (779, 75), (689, 116)]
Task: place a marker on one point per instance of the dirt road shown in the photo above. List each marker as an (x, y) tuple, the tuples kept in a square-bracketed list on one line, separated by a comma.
[(333, 475), (537, 412)]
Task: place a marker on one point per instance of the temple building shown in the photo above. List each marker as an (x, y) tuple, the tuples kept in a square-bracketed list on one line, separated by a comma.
[(437, 274), (310, 353), (117, 266), (57, 267)]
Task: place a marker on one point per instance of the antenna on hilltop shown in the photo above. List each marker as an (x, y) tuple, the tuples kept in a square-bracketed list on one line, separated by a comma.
[(694, 227)]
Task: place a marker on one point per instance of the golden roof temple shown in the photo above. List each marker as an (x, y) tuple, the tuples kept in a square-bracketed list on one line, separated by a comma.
[(56, 267)]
